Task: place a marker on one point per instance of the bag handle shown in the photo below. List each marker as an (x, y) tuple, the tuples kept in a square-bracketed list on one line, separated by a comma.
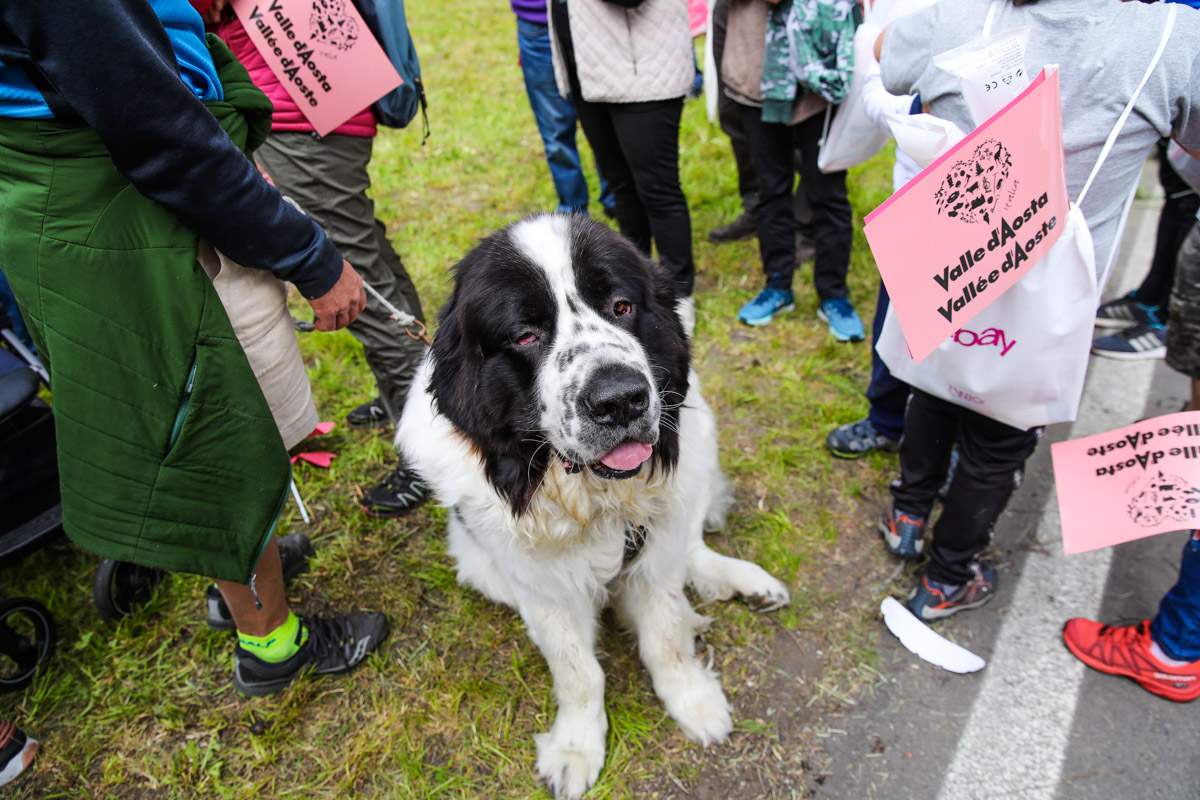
[(991, 16), (1112, 136)]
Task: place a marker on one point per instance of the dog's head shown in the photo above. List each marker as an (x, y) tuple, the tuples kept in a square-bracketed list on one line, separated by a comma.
[(559, 348)]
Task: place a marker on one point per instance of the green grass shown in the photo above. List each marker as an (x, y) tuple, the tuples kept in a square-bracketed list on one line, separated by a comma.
[(447, 708)]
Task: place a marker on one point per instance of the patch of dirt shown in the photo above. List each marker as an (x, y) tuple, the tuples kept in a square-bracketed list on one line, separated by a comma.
[(790, 691)]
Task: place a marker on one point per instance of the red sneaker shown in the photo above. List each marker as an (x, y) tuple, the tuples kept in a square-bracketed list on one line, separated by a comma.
[(1125, 650)]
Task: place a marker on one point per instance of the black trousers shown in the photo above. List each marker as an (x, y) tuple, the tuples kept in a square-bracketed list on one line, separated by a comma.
[(1174, 223), (991, 466), (637, 151), (774, 146), (730, 118)]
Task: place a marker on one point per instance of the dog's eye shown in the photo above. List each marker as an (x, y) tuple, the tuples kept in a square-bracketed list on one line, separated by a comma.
[(622, 307), (527, 338)]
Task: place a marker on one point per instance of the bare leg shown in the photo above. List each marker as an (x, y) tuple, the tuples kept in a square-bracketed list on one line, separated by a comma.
[(269, 583), (1195, 404)]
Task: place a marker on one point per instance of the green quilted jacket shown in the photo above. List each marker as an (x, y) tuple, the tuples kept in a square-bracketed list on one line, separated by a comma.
[(168, 455)]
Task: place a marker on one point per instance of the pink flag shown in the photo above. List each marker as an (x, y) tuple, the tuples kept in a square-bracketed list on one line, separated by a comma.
[(975, 220), (1129, 483), (323, 54)]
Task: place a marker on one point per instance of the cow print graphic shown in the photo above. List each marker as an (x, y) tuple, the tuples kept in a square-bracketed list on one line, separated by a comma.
[(972, 187), (1161, 497), (331, 25)]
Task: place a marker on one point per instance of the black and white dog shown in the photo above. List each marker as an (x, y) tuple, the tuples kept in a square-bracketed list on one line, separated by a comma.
[(558, 417)]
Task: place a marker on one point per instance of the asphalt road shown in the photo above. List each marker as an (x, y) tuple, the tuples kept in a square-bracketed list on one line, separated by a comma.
[(1035, 723)]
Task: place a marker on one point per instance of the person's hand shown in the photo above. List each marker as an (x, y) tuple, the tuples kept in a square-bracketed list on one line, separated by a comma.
[(338, 307), (213, 15)]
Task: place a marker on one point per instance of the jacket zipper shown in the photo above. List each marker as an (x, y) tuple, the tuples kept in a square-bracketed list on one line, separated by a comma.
[(183, 407)]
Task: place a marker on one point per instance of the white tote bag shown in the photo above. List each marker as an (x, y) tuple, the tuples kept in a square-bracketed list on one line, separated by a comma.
[(853, 137), (1023, 359)]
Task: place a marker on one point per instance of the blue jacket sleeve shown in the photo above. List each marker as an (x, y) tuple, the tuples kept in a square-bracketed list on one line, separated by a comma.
[(111, 65)]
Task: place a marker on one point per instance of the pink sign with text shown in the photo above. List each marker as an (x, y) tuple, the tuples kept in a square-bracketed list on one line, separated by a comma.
[(975, 220), (1129, 483), (323, 54)]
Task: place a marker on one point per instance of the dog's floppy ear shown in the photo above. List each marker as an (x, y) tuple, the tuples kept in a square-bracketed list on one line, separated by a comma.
[(456, 366), (669, 358), (479, 402)]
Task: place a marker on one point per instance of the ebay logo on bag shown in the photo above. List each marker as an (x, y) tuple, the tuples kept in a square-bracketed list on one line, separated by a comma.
[(988, 337), (966, 397)]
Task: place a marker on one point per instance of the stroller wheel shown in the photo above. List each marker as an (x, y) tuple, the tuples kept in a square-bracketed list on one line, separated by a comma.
[(26, 640), (120, 588)]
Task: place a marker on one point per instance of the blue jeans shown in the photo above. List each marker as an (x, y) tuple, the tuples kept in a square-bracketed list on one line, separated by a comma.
[(555, 117), (9, 304), (1177, 626), (887, 394)]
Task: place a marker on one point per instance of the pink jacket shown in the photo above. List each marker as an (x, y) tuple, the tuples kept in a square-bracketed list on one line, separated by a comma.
[(287, 114)]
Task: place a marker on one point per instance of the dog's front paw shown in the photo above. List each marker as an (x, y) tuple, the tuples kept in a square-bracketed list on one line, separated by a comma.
[(698, 704), (570, 757)]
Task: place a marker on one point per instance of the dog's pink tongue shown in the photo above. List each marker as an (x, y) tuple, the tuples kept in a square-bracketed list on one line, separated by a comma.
[(626, 456)]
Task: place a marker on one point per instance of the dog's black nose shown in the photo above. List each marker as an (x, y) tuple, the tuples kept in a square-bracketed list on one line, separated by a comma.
[(616, 395)]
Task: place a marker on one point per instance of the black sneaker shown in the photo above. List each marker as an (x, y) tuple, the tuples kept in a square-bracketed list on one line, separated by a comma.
[(741, 228), (16, 751), (334, 645), (369, 415), (400, 493), (294, 550)]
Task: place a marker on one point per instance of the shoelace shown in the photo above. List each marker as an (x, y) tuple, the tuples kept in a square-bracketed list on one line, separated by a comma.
[(406, 485), (839, 308), (328, 635)]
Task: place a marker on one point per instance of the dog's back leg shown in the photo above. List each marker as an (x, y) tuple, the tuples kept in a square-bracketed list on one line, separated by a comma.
[(655, 609), (718, 577), (714, 576)]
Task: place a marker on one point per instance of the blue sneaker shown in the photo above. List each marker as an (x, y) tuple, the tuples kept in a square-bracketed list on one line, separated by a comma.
[(762, 309), (1135, 343), (1125, 311), (856, 439), (843, 320), (902, 534), (932, 600)]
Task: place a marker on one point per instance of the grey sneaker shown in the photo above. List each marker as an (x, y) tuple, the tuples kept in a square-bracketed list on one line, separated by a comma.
[(903, 535), (932, 600)]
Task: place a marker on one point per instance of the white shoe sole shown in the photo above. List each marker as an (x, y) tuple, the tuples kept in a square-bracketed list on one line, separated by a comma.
[(1141, 355), (821, 315)]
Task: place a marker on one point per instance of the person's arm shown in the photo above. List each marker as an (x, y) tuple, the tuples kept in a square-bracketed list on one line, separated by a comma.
[(903, 50), (112, 64)]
